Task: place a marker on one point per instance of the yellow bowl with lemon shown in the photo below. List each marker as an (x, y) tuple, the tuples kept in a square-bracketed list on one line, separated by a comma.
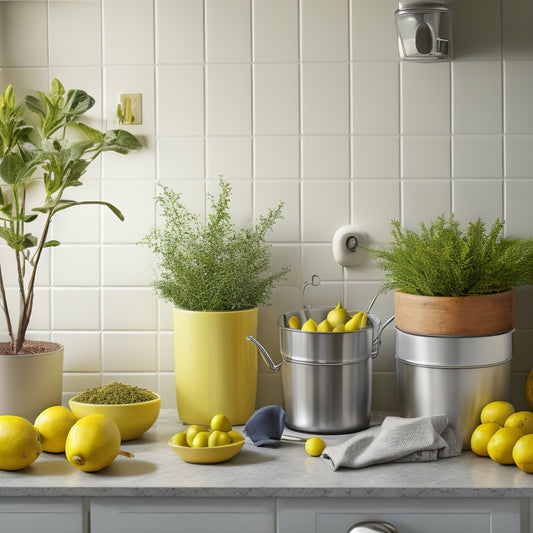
[(132, 419), (208, 455)]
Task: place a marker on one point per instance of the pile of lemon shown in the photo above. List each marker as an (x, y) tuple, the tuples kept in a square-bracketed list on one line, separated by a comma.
[(505, 435), (337, 320), (90, 443), (220, 433)]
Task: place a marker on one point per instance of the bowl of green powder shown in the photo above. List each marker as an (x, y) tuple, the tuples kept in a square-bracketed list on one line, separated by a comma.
[(134, 409)]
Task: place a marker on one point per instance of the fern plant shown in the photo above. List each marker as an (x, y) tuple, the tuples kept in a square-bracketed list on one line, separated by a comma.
[(211, 266), (444, 260)]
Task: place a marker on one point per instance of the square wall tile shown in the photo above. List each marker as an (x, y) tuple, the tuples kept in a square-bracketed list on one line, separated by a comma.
[(82, 350), (275, 30), (425, 98), (192, 194), (374, 30), (276, 157), (167, 390), (74, 383), (75, 44), (179, 31), (165, 346), (25, 80), (180, 157), (424, 201), (325, 157), (479, 198), (518, 108), (477, 97), (375, 156), (76, 266), (324, 30), (180, 100), (276, 99), (325, 108), (129, 309), (518, 156), (229, 156), (287, 255), (229, 100), (129, 352), (27, 19), (227, 30), (477, 30), (128, 32), (267, 195), (426, 157), (325, 205), (518, 212), (367, 195), (126, 266), (516, 27), (75, 309), (318, 259), (476, 156), (375, 105)]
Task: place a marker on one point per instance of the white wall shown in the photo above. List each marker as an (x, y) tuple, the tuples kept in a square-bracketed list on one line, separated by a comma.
[(303, 101)]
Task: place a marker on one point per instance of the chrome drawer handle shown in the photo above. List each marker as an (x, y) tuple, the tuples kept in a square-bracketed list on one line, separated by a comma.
[(372, 527)]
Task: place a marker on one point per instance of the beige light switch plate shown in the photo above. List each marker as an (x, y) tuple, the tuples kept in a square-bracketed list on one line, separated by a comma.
[(130, 110)]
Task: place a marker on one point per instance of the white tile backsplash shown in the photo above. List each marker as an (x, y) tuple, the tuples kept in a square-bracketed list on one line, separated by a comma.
[(301, 101)]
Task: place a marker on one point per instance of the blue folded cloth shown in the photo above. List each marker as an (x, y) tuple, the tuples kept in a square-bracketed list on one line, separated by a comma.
[(265, 427)]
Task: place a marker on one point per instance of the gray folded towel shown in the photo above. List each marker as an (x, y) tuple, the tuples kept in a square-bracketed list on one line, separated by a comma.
[(266, 426), (397, 439)]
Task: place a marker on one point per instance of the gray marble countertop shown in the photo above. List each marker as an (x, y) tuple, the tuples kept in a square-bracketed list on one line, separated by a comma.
[(286, 471)]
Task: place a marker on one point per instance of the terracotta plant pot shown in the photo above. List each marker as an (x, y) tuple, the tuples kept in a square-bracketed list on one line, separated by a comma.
[(215, 365), (30, 383), (463, 315)]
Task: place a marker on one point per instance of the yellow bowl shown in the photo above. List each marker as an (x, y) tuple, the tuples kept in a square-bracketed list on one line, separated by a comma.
[(216, 454), (132, 419)]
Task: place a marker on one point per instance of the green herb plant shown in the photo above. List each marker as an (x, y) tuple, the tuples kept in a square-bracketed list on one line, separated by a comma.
[(38, 164), (444, 260), (211, 266)]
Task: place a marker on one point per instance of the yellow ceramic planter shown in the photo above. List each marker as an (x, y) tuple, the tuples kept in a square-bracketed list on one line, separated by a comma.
[(215, 365)]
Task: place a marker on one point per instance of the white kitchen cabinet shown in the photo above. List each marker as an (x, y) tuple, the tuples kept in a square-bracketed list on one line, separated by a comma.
[(41, 515), (183, 515), (430, 515)]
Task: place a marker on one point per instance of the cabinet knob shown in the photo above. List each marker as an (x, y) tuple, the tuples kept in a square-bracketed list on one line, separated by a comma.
[(372, 527)]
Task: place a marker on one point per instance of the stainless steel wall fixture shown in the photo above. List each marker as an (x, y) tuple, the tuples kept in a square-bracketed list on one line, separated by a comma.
[(425, 30)]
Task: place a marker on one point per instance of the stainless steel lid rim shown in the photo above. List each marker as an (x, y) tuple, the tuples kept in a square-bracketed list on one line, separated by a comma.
[(451, 367), (326, 364)]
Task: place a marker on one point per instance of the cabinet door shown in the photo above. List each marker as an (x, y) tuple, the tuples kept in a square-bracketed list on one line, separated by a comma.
[(182, 515), (41, 515), (406, 515)]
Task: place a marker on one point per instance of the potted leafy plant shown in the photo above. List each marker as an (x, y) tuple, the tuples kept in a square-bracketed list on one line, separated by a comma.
[(38, 164), (215, 275), (454, 293)]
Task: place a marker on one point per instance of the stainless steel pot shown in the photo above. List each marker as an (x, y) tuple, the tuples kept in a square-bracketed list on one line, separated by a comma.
[(326, 376)]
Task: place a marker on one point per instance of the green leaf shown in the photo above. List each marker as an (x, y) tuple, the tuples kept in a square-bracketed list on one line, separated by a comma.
[(65, 204), (10, 166), (91, 133), (78, 102), (120, 140), (17, 242), (50, 244), (35, 105)]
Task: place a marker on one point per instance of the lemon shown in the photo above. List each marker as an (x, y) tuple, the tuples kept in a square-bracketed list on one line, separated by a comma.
[(481, 436), (191, 432), (294, 322), (529, 388), (523, 453), (497, 411), (180, 439), (53, 425), (522, 420), (235, 436), (324, 326), (309, 325), (358, 321), (93, 442), (19, 443), (337, 316), (220, 423), (218, 438), (200, 440), (339, 328), (500, 445), (314, 446)]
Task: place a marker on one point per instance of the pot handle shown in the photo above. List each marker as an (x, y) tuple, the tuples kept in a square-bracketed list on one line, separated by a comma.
[(264, 354), (376, 343)]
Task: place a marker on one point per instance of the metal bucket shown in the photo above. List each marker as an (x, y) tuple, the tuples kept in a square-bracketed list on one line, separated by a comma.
[(326, 376), (456, 376)]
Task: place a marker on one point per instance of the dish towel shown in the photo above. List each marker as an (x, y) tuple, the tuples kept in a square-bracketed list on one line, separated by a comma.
[(397, 439), (266, 426)]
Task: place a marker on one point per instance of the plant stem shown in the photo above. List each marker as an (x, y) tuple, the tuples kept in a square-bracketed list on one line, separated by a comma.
[(5, 308)]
